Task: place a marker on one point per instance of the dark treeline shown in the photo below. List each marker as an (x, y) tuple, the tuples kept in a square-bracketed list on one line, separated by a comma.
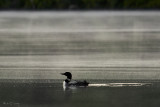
[(78, 4)]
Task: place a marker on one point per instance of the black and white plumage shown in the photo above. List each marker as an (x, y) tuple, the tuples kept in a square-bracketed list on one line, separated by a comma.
[(69, 82)]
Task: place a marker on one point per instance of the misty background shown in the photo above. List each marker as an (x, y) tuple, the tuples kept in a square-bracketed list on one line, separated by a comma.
[(91, 45)]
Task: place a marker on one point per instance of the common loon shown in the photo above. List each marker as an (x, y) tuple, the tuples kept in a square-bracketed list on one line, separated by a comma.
[(69, 82)]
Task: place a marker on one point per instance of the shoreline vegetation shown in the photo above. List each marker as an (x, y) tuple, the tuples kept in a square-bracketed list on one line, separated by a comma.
[(79, 4)]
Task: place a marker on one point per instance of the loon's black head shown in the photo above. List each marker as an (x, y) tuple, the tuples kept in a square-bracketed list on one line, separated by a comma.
[(68, 74)]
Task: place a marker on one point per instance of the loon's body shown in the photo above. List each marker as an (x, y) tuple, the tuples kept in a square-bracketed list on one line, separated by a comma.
[(69, 82)]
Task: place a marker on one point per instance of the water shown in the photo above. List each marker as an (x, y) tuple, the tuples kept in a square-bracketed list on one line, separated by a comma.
[(91, 45), (52, 94), (117, 52)]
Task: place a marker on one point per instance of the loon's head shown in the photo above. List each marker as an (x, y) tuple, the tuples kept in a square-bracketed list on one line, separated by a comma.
[(68, 74)]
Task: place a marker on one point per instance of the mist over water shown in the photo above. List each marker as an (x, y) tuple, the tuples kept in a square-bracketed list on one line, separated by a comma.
[(116, 52), (91, 45)]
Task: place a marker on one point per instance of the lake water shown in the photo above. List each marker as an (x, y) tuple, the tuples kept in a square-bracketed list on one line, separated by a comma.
[(53, 95), (116, 51)]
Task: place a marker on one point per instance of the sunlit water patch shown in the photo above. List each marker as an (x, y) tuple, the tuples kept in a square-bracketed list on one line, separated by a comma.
[(120, 85)]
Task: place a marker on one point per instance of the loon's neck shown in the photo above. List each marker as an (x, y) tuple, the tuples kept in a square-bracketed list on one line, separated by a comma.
[(67, 80), (66, 83)]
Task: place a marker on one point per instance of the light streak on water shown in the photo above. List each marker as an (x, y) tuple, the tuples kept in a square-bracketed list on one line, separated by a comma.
[(120, 85)]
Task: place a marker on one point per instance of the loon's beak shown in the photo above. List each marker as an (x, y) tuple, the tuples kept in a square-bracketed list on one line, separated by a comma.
[(62, 73)]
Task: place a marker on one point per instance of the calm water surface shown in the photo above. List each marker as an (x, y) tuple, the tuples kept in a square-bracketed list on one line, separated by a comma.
[(53, 95)]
